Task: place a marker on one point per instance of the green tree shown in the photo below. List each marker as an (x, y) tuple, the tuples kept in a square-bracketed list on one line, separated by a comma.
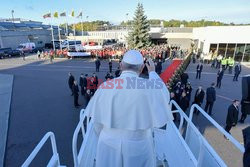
[(139, 36)]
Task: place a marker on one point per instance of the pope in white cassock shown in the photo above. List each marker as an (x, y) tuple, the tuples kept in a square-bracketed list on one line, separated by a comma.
[(124, 112)]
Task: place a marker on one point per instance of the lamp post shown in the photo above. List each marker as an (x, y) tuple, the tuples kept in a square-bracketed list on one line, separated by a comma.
[(12, 14)]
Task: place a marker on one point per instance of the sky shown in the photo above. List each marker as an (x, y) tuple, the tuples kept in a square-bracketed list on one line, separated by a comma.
[(237, 11)]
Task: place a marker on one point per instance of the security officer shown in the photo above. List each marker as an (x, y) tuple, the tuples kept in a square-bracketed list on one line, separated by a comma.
[(224, 63), (230, 64)]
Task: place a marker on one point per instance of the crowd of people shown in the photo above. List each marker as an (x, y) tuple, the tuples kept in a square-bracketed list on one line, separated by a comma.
[(88, 86)]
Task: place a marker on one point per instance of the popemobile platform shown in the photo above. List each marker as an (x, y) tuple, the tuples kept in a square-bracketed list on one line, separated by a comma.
[(170, 143)]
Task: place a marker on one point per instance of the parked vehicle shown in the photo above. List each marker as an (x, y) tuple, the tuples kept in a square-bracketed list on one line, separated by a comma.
[(75, 45), (8, 52), (28, 47)]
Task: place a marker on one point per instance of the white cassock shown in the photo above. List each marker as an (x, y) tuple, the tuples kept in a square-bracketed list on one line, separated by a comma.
[(127, 117)]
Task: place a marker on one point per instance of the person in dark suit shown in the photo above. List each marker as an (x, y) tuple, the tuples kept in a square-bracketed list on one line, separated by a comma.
[(71, 82), (95, 81), (220, 75), (110, 66), (159, 67), (117, 72), (237, 71), (97, 65), (188, 90), (199, 69), (76, 94), (199, 97), (178, 89), (88, 96), (183, 102), (245, 109), (211, 97), (85, 84), (81, 84), (232, 115), (184, 79)]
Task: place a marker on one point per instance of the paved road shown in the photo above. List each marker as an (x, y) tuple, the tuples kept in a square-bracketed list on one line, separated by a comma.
[(41, 102)]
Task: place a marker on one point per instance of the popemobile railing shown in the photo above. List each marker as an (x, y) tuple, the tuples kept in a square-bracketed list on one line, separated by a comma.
[(82, 126), (54, 161)]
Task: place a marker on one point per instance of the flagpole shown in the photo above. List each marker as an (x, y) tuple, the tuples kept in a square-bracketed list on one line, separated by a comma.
[(82, 25), (52, 33), (59, 36)]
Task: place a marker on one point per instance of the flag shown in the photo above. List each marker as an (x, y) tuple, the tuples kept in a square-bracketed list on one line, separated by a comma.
[(56, 14), (63, 14), (73, 13), (80, 15), (48, 15)]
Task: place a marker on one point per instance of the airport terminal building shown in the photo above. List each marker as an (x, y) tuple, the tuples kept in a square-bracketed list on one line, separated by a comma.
[(230, 41)]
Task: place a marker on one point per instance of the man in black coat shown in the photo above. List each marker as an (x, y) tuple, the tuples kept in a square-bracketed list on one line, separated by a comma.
[(95, 82), (97, 64), (85, 84), (237, 71), (184, 79), (211, 97), (81, 84), (199, 69), (178, 89), (117, 72), (245, 109), (183, 102), (71, 82), (110, 66), (159, 67), (76, 94), (232, 115), (220, 75), (172, 97), (199, 97)]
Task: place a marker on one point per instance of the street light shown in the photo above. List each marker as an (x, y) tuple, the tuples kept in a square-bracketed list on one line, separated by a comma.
[(12, 13)]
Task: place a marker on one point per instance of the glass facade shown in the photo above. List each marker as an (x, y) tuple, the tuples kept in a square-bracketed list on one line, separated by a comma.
[(240, 51), (230, 50), (222, 49), (247, 53)]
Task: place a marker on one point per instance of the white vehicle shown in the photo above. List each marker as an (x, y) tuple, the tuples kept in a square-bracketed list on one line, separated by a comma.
[(27, 47), (75, 45)]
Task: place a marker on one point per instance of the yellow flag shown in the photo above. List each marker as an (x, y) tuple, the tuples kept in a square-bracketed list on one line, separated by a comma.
[(56, 14), (73, 13)]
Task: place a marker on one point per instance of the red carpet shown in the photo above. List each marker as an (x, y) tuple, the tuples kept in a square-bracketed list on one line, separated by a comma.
[(168, 73)]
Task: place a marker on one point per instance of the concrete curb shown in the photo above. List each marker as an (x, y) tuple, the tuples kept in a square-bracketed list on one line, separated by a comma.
[(6, 86)]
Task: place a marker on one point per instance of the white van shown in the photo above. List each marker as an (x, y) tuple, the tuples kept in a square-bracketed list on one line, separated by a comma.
[(27, 47), (72, 45)]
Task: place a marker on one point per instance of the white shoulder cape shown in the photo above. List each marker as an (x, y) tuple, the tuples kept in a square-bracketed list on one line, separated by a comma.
[(132, 107)]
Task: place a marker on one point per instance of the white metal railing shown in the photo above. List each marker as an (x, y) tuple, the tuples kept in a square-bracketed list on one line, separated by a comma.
[(204, 146), (54, 161), (82, 127), (212, 121)]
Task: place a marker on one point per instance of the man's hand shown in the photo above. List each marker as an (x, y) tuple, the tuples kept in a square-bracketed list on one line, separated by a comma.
[(151, 66)]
